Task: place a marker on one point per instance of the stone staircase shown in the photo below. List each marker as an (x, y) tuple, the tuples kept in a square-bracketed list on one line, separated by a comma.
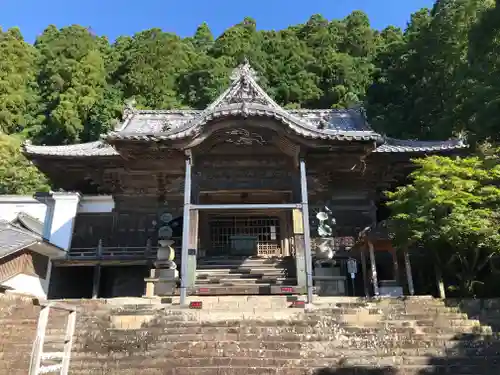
[(243, 275), (262, 335)]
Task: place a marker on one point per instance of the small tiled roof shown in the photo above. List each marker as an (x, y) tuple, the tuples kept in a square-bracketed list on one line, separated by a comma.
[(29, 223), (23, 232), (97, 148), (392, 145), (13, 238)]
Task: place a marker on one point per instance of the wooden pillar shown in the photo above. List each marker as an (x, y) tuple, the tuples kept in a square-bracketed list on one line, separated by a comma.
[(298, 234), (307, 230), (395, 266), (364, 271), (96, 283), (439, 281), (409, 275), (193, 248), (374, 269), (186, 223)]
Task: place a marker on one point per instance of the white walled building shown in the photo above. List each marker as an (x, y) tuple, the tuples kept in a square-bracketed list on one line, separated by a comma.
[(34, 231)]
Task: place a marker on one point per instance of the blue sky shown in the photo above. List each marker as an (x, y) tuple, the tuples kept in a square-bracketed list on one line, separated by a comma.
[(113, 18)]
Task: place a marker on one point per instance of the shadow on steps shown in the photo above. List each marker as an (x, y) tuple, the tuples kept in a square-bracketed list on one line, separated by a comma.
[(356, 371)]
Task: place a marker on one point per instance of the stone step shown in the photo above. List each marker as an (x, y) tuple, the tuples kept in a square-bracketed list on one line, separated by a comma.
[(246, 281), (172, 340), (315, 350), (242, 259), (250, 289), (227, 267), (241, 271), (269, 330), (432, 323), (327, 360), (245, 370), (286, 366)]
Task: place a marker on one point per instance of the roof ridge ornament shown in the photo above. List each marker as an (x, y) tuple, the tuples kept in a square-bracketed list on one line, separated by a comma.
[(242, 71), (129, 108), (244, 90)]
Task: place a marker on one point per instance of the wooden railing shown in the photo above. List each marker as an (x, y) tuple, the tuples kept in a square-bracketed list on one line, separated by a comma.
[(114, 252)]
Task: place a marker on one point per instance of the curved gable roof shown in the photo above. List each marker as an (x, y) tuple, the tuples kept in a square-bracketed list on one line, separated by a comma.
[(243, 98)]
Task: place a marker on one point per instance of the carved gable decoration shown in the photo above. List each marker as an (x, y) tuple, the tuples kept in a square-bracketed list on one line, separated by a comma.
[(244, 89), (243, 137)]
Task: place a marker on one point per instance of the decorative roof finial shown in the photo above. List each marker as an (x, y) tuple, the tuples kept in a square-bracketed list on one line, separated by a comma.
[(244, 70), (129, 108)]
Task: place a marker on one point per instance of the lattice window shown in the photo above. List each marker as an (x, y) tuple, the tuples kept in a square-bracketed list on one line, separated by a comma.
[(264, 232)]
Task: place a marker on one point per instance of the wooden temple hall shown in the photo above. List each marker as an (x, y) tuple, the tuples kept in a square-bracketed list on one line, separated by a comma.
[(253, 197)]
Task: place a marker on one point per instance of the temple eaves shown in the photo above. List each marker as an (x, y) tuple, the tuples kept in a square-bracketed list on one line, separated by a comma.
[(243, 98)]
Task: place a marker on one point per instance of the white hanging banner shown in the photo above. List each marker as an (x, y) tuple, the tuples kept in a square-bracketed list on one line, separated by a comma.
[(352, 267)]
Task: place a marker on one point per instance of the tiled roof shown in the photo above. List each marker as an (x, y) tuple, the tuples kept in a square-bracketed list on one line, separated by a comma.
[(324, 124), (392, 145), (243, 98), (14, 238), (25, 231), (29, 223), (97, 148)]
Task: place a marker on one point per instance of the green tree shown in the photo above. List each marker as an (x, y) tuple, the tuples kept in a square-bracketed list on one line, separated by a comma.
[(203, 38), (482, 104), (17, 82), (451, 210), (17, 174), (152, 62), (72, 80), (286, 68), (418, 91)]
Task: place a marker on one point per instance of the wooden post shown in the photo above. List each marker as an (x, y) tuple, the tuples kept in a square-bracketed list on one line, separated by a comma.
[(307, 231), (193, 248), (68, 342), (149, 249), (300, 262), (97, 273), (395, 266), (364, 270), (186, 230), (36, 357), (409, 276), (374, 269), (439, 281)]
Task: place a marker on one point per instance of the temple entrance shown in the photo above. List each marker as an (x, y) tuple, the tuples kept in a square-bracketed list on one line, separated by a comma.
[(245, 235)]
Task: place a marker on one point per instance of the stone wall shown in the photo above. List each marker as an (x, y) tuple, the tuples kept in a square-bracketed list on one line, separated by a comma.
[(18, 319)]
